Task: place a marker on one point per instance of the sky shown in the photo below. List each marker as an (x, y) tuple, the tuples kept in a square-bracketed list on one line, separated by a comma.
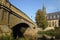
[(30, 7)]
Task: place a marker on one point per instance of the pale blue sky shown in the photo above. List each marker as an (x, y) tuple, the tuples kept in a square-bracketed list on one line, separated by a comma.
[(30, 7)]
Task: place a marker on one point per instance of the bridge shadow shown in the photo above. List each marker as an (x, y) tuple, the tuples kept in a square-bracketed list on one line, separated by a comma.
[(19, 29)]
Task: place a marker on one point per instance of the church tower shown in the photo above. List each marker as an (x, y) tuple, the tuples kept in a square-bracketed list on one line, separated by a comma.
[(44, 9)]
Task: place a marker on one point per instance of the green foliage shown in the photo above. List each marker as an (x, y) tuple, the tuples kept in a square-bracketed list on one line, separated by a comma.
[(21, 39), (5, 37), (41, 19), (40, 32), (49, 32)]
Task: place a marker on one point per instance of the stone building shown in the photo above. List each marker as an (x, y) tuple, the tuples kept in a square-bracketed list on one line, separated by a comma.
[(53, 19)]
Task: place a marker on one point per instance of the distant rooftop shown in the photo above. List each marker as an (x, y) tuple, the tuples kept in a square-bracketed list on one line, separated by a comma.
[(54, 13), (53, 16)]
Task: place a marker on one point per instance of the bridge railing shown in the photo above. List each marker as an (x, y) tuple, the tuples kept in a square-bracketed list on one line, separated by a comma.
[(15, 10)]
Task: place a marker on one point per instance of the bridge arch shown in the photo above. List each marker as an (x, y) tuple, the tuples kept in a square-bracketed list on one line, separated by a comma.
[(19, 29)]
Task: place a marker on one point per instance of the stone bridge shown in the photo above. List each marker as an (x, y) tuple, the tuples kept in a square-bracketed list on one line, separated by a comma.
[(11, 17)]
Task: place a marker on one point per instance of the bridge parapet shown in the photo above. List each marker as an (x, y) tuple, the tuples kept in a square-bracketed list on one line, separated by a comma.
[(11, 17), (14, 9)]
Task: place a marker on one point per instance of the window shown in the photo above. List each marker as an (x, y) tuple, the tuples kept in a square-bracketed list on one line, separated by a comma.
[(57, 16), (50, 17), (53, 23), (54, 17)]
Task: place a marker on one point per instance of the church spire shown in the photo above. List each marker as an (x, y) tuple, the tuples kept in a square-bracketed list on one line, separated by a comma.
[(43, 8)]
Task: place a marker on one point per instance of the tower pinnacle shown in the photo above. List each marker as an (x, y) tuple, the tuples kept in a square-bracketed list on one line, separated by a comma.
[(43, 8)]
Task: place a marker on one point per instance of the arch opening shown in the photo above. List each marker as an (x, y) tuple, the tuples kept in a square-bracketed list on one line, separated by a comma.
[(19, 29)]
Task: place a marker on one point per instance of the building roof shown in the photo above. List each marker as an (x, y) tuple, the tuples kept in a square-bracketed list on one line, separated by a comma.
[(54, 13), (53, 16)]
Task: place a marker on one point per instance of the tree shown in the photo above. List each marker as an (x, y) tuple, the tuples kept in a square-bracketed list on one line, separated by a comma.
[(41, 18)]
